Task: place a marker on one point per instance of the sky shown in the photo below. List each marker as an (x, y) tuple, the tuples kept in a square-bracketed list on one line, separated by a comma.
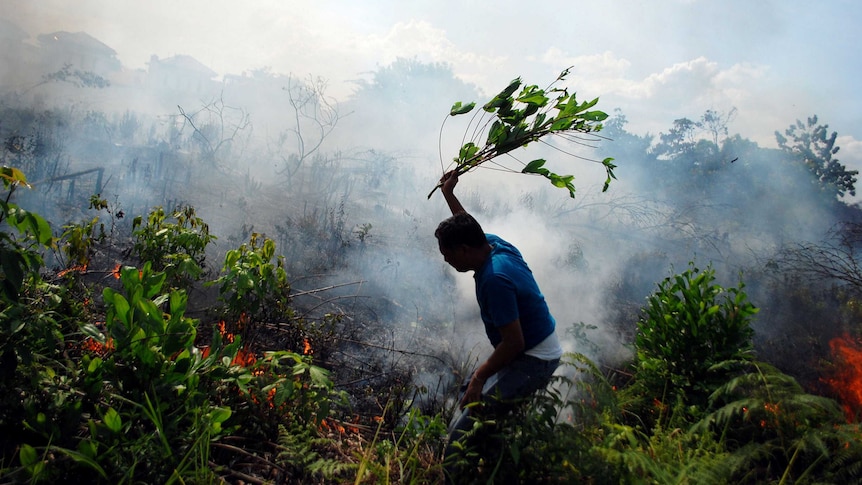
[(772, 61), (775, 61)]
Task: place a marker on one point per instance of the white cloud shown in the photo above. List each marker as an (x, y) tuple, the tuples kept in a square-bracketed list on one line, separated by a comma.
[(422, 40), (851, 152), (595, 73), (687, 80), (605, 64)]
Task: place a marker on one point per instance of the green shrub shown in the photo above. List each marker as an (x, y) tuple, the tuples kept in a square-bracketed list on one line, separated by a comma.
[(689, 325), (177, 248), (253, 284)]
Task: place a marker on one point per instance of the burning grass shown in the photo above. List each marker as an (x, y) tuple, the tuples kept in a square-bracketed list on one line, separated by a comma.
[(846, 374)]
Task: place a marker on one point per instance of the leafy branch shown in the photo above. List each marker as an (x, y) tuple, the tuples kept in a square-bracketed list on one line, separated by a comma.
[(521, 119)]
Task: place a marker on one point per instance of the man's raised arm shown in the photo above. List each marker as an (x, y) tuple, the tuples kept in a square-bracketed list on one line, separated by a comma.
[(449, 181)]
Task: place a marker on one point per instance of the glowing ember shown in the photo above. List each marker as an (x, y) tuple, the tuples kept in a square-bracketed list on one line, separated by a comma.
[(846, 381), (116, 272)]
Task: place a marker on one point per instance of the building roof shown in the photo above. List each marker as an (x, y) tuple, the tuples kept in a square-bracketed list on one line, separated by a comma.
[(80, 40), (184, 63)]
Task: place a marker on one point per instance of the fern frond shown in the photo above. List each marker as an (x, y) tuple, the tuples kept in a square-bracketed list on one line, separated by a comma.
[(300, 450)]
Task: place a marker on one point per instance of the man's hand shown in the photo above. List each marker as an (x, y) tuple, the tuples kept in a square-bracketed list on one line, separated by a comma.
[(473, 392), (448, 182), (510, 347)]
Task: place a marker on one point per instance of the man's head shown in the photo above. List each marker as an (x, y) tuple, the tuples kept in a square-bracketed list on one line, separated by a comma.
[(462, 242)]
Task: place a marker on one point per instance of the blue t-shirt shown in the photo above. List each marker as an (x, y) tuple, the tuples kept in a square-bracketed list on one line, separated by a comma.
[(506, 290)]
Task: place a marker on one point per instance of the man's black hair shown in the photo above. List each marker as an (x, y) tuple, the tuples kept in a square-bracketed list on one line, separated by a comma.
[(461, 228)]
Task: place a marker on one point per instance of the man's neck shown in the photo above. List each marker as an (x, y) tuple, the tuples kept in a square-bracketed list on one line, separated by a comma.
[(482, 255)]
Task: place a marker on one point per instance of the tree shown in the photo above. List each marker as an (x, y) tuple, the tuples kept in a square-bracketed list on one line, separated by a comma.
[(685, 136), (678, 140), (315, 116), (625, 145), (810, 144), (216, 127), (715, 123)]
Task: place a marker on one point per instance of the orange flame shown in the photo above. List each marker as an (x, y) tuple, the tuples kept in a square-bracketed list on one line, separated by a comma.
[(95, 347), (116, 272), (222, 330), (81, 269), (846, 381), (333, 425), (306, 347), (244, 358)]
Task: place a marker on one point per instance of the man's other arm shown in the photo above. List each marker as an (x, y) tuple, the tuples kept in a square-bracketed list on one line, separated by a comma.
[(511, 345)]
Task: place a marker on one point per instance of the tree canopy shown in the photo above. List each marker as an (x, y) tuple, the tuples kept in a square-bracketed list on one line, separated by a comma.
[(811, 143)]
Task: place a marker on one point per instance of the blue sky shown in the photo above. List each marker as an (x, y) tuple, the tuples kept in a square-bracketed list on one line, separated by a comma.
[(775, 61)]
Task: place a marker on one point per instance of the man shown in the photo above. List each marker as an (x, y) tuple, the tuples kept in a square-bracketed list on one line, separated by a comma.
[(516, 317)]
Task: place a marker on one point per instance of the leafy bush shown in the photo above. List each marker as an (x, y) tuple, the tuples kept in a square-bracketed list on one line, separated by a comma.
[(27, 328), (689, 325), (130, 398), (251, 284), (177, 248)]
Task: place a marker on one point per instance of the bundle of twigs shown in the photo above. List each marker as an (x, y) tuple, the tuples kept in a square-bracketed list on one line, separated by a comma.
[(514, 121)]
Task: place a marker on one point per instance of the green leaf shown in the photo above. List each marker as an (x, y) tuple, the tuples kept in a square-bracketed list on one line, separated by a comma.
[(113, 421), (121, 306), (82, 459), (561, 123), (459, 108), (502, 99), (11, 175), (29, 223), (594, 116), (94, 365), (182, 362), (609, 168), (27, 455), (41, 230), (561, 181), (511, 88), (533, 95), (319, 376), (533, 166), (538, 122), (92, 331), (467, 152), (88, 448), (218, 416), (497, 134)]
